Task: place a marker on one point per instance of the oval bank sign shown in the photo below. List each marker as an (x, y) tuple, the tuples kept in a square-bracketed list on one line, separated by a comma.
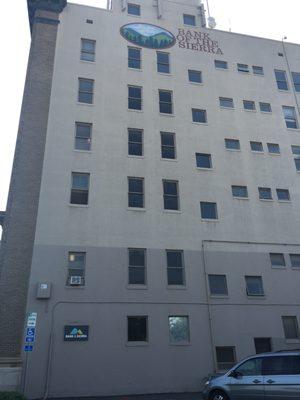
[(147, 35)]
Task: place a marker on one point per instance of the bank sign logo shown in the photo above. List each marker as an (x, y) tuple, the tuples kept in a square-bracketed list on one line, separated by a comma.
[(147, 35), (76, 333)]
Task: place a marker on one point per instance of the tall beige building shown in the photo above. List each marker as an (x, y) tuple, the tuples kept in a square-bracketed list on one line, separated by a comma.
[(151, 235)]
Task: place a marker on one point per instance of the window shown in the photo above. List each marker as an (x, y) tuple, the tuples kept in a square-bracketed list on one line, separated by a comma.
[(83, 136), (232, 144), (290, 117), (165, 102), (137, 266), (225, 357), (89, 21), (297, 163), (265, 107), (265, 193), (218, 285), (195, 76), (226, 102), (254, 286), (281, 80), (133, 9), (283, 194), (273, 148), (221, 64), (290, 327), (257, 70), (296, 152), (277, 259), (243, 68), (203, 160), (208, 210), (171, 197), (249, 105), (189, 19), (168, 145), (175, 267), (295, 260), (199, 116), (163, 62), (86, 91), (251, 367), (281, 365), (137, 329), (134, 58), (179, 330), (76, 268), (136, 192), (256, 146), (135, 142), (262, 345), (296, 81), (239, 191), (80, 188), (134, 97), (88, 50)]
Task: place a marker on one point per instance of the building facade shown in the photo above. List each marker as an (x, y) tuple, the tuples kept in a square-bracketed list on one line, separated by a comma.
[(151, 235)]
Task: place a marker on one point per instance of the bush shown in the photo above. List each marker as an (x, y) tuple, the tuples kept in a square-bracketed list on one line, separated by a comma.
[(11, 396)]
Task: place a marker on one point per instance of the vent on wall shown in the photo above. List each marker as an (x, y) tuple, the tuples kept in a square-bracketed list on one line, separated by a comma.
[(89, 21)]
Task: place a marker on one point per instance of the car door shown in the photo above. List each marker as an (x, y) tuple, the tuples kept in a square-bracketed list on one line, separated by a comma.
[(282, 377), (246, 381)]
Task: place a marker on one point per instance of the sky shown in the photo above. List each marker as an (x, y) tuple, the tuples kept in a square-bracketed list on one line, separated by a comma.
[(265, 18)]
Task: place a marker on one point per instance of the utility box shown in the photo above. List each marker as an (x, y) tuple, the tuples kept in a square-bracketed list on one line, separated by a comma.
[(43, 290)]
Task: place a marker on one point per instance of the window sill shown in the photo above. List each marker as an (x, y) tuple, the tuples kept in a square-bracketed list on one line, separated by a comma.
[(197, 83), (136, 209), (165, 73), (132, 156), (275, 154), (166, 114), (222, 69), (135, 69), (180, 344), (234, 150), (293, 129), (85, 104), (169, 159), (296, 268), (219, 296), (87, 62), (251, 111), (279, 267), (80, 287), (267, 200), (283, 90), (176, 287), (292, 341), (137, 287), (227, 108), (210, 220), (204, 169), (172, 211), (257, 152), (260, 75), (133, 110), (137, 344), (284, 201), (266, 112), (133, 15), (244, 72), (240, 198), (256, 296), (200, 123), (79, 205), (83, 151)]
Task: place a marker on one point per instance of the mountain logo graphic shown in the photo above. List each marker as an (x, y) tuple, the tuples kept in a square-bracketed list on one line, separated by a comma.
[(148, 35), (76, 332)]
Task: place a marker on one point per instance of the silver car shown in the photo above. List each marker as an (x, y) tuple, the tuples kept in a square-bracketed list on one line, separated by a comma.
[(269, 376)]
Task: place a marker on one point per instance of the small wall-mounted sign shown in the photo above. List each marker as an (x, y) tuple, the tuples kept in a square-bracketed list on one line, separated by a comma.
[(76, 333), (31, 320), (148, 35)]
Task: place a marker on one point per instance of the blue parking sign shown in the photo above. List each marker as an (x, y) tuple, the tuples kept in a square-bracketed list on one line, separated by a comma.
[(28, 348), (30, 332), (29, 339)]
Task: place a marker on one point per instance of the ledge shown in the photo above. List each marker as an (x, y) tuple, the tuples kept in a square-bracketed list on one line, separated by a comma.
[(56, 6)]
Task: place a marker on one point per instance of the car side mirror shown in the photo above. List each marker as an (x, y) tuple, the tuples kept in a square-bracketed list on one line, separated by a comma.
[(236, 374)]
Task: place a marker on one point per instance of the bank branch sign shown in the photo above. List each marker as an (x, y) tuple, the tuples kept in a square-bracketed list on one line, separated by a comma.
[(76, 333)]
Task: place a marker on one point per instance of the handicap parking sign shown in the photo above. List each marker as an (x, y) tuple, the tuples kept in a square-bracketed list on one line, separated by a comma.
[(29, 339), (30, 332)]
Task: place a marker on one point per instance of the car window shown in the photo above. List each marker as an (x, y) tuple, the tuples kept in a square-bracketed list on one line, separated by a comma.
[(251, 367), (281, 365)]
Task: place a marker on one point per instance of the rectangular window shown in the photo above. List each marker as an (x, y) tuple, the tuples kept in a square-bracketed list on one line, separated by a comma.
[(175, 267), (273, 148), (225, 357), (232, 144), (290, 327), (295, 260), (208, 210), (265, 107), (76, 268), (257, 146), (218, 285), (165, 102), (86, 91), (168, 149), (136, 192), (262, 345), (163, 62), (297, 163), (281, 80), (88, 50), (296, 150), (203, 160), (257, 70), (283, 194), (133, 9), (137, 266), (195, 76), (254, 286), (277, 259), (80, 188), (137, 328), (134, 97), (171, 196), (134, 58), (221, 64), (249, 105), (290, 117), (199, 116), (265, 193), (135, 142), (83, 133), (239, 191), (226, 102), (243, 68), (296, 81), (179, 329), (189, 19)]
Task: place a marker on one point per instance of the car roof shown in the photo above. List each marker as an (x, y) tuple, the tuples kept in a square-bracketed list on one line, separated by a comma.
[(277, 353)]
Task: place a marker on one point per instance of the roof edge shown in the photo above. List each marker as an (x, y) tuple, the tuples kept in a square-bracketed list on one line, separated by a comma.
[(47, 5)]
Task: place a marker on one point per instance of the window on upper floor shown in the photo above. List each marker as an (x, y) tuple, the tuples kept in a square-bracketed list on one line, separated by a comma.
[(133, 9), (189, 19), (88, 50), (195, 76), (296, 81), (86, 91), (199, 116), (135, 98), (137, 329), (163, 62), (265, 193), (277, 259), (226, 102), (265, 107), (257, 70), (290, 327), (203, 160), (290, 117), (168, 148), (273, 148), (281, 80), (296, 152), (249, 105), (136, 192), (220, 64), (179, 329), (80, 188), (256, 146), (134, 58), (135, 142), (171, 195), (240, 191), (218, 285), (283, 194), (83, 136), (137, 266), (254, 286), (232, 144), (226, 357), (208, 210), (76, 268), (243, 68), (175, 267), (295, 260), (165, 101)]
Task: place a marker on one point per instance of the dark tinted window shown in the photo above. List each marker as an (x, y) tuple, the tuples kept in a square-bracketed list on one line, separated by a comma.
[(83, 136), (218, 285), (137, 274), (265, 107), (226, 102), (277, 259), (249, 105), (165, 102), (195, 76), (281, 365), (225, 357), (134, 57), (232, 144), (135, 142), (168, 145), (243, 68), (199, 115), (163, 62), (80, 188), (283, 194), (171, 199), (281, 80), (136, 192), (203, 160), (221, 64), (239, 191), (86, 91), (134, 97), (189, 19), (256, 146), (296, 81), (137, 329), (265, 193), (88, 48), (257, 70), (208, 210), (262, 345), (175, 267), (273, 148), (133, 9)]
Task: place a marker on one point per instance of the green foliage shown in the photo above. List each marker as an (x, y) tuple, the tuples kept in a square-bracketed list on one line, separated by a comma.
[(11, 396), (158, 41)]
